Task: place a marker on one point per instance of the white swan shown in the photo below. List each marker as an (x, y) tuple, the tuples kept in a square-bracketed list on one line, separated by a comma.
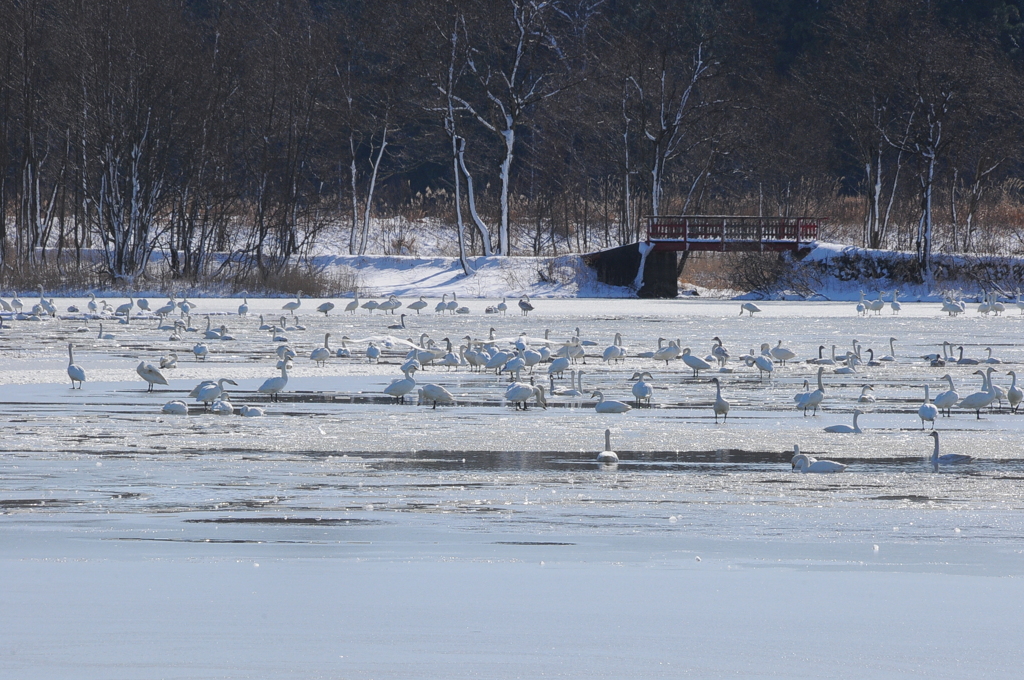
[(372, 352), (502, 306), (609, 405), (876, 306), (990, 359), (719, 352), (418, 305), (608, 456), (945, 459), (201, 351), (895, 304), (525, 306), (668, 352), (927, 410), (805, 463), (210, 333), (150, 374), (961, 361), (125, 309), (169, 361), (1014, 395), (642, 390), (175, 408), (320, 355), (892, 352), (210, 392), (695, 363), (75, 372), (813, 399), (294, 304), (403, 386), (243, 309), (104, 336), (721, 406), (518, 394), (273, 386), (343, 351), (749, 307), (979, 400), (782, 354), (864, 397), (354, 305), (251, 411), (764, 362), (847, 429), (431, 393), (558, 366), (946, 400), (222, 407), (325, 308)]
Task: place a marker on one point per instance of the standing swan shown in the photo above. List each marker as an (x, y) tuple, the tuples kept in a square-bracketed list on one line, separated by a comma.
[(294, 304), (75, 372), (642, 390), (928, 410), (749, 307), (1014, 395), (273, 386), (721, 406), (979, 400), (321, 354), (946, 400), (150, 374), (524, 304), (399, 388), (813, 399)]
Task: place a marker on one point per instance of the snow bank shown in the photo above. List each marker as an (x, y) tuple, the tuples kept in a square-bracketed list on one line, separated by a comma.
[(493, 277)]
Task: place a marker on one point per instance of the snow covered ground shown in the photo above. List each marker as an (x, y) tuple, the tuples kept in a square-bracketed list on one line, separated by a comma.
[(342, 536)]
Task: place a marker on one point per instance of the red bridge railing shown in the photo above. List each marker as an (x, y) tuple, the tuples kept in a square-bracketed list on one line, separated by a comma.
[(730, 233)]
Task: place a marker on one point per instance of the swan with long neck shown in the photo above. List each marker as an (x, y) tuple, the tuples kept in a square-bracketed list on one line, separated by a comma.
[(847, 429), (927, 411), (813, 399), (399, 388), (720, 405), (75, 372), (979, 400), (945, 401), (1014, 395), (938, 459), (608, 456), (274, 386)]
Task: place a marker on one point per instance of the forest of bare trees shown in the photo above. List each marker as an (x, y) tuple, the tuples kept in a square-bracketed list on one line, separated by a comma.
[(234, 136)]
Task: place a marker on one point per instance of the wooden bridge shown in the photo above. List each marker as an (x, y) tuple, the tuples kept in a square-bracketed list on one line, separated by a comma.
[(729, 234), (654, 267)]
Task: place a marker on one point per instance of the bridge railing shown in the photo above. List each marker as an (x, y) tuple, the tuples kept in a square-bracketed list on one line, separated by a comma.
[(721, 232)]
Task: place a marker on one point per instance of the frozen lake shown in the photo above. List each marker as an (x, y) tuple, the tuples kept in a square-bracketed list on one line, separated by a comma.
[(343, 536)]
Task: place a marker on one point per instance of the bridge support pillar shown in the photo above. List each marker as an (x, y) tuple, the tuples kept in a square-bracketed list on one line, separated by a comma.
[(620, 266)]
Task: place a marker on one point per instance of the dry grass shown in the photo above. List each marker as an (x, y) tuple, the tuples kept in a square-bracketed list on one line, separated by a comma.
[(65, 276)]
